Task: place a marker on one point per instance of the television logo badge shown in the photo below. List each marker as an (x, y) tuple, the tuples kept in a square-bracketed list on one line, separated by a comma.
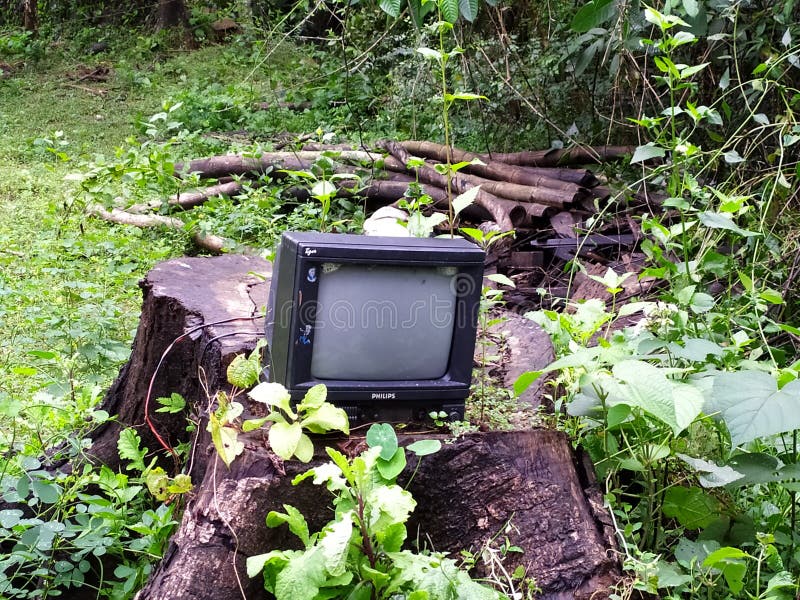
[(305, 335), (312, 275)]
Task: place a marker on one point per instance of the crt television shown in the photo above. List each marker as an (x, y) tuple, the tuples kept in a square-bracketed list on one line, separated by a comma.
[(388, 324)]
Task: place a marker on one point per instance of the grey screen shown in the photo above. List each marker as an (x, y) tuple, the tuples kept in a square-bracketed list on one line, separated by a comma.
[(378, 322)]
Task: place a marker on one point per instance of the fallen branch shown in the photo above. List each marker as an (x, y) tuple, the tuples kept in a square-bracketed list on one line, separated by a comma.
[(209, 242), (553, 157)]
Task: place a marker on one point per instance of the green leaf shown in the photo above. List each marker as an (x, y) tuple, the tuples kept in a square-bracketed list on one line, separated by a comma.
[(226, 441), (294, 519), (713, 475), (157, 482), (647, 152), (722, 221), (181, 484), (752, 406), (390, 469), (593, 14), (388, 504), (501, 279), (524, 381), (383, 435), (691, 506), (430, 54), (391, 7), (691, 7), (729, 561), (336, 543), (273, 394), (253, 424), (469, 9), (315, 397), (45, 491), (424, 447), (462, 201), (284, 438), (302, 577), (128, 449), (449, 10), (701, 303), (243, 372), (392, 537), (646, 386), (326, 418), (305, 449), (174, 404)]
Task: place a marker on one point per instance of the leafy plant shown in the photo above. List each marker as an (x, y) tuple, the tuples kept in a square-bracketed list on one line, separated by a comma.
[(359, 553)]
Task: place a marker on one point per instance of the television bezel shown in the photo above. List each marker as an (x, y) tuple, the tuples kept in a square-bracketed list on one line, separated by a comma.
[(290, 336)]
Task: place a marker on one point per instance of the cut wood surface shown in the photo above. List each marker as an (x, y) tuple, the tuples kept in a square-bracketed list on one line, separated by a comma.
[(467, 493)]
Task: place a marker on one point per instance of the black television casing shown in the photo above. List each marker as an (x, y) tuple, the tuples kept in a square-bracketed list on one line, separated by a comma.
[(291, 314)]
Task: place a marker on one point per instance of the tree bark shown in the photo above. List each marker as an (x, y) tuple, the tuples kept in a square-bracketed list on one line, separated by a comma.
[(30, 15), (171, 13), (527, 485)]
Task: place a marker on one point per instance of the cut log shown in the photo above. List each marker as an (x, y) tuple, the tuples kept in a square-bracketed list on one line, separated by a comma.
[(467, 493)]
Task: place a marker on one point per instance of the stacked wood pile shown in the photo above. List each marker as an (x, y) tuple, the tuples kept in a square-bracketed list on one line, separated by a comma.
[(559, 209)]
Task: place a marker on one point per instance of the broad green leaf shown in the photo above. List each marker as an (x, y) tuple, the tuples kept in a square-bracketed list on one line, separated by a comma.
[(712, 475), (701, 303), (752, 406), (181, 484), (524, 381), (690, 554), (47, 492), (593, 14), (226, 441), (383, 435), (157, 482), (10, 517), (730, 562), (390, 469), (430, 53), (326, 418), (449, 10), (388, 504), (462, 201), (617, 415), (691, 7), (284, 438), (691, 506), (669, 575), (305, 449), (391, 7), (243, 372), (647, 152), (273, 394), (722, 221), (469, 9), (314, 397), (294, 519), (323, 189), (302, 577), (501, 279), (646, 386), (336, 543), (253, 424), (695, 349), (392, 537), (424, 447)]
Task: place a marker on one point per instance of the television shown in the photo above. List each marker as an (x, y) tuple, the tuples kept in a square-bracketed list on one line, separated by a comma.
[(388, 324)]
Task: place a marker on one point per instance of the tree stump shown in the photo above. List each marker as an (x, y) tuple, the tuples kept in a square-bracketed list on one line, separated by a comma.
[(529, 485)]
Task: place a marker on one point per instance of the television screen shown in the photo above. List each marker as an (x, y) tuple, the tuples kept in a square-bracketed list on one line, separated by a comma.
[(376, 322), (387, 324)]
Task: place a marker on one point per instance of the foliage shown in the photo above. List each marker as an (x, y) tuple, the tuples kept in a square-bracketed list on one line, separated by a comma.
[(62, 531), (359, 553), (690, 415)]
